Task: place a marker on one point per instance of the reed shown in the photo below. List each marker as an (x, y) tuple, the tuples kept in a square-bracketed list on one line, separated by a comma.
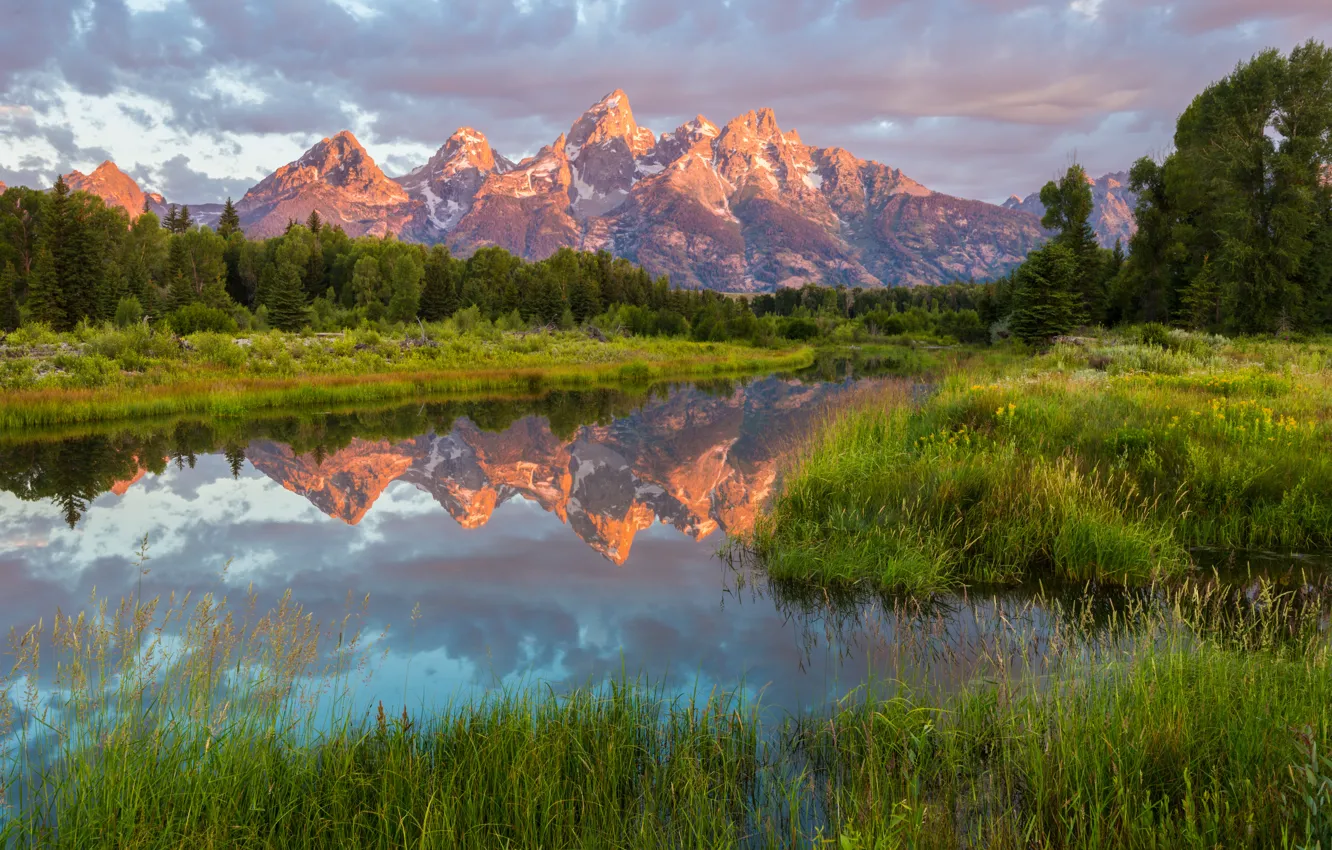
[(1078, 465), (1196, 716)]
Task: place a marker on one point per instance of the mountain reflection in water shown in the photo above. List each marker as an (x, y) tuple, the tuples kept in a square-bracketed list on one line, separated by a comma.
[(607, 464), (514, 583), (580, 543)]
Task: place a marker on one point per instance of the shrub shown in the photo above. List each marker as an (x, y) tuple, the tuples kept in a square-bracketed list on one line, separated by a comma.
[(128, 312), (197, 318), (218, 350), (799, 329)]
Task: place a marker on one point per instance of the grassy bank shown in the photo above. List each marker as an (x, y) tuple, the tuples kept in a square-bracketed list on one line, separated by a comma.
[(1204, 723), (1105, 459), (137, 372)]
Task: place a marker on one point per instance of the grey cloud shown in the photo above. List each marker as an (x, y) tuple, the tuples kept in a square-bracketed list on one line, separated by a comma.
[(179, 182), (1034, 70), (139, 116)]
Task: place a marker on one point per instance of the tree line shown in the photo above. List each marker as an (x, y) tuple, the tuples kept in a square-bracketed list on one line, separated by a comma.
[(1234, 224), (66, 257), (1234, 234)]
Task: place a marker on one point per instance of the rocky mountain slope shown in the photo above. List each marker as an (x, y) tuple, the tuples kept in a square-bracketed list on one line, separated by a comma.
[(116, 188), (695, 461), (1112, 208), (742, 207), (340, 180)]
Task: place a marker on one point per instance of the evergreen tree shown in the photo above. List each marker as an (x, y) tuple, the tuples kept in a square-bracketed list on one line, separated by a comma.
[(229, 222), (1200, 302), (406, 299), (184, 223), (1068, 207), (172, 221), (9, 311), (314, 223), (314, 278), (235, 455), (77, 252), (44, 292), (585, 299), (286, 303), (180, 293), (439, 298), (1044, 303)]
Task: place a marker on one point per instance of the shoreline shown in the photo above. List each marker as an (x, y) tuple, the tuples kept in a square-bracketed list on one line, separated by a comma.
[(235, 395)]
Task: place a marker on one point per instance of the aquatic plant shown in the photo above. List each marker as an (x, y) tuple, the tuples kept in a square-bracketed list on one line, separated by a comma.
[(1194, 716), (1048, 468)]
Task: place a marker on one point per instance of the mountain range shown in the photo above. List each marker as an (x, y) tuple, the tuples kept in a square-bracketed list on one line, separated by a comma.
[(743, 207), (1113, 203), (696, 461)]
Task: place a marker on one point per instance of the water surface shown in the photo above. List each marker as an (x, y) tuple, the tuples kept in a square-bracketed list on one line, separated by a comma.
[(564, 538)]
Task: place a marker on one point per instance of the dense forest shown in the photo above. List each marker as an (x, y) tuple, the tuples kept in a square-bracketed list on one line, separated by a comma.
[(67, 258), (1235, 235)]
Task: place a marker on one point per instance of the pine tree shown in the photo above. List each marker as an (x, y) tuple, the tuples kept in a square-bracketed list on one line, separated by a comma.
[(184, 223), (584, 299), (406, 298), (9, 311), (439, 300), (181, 292), (1044, 303), (172, 221), (314, 223), (286, 302), (313, 278), (1068, 208), (43, 291), (1200, 301), (229, 222), (235, 455), (215, 294)]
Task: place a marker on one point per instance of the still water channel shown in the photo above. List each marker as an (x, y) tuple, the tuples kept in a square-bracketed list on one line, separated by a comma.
[(560, 539)]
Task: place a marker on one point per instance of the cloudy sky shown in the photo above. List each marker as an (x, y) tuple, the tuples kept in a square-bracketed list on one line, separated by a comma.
[(980, 98)]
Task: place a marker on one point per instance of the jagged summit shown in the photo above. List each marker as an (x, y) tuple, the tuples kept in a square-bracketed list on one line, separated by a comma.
[(337, 178), (116, 188), (740, 207)]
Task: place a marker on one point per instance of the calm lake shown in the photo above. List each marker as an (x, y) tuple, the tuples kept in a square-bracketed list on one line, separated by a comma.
[(560, 539)]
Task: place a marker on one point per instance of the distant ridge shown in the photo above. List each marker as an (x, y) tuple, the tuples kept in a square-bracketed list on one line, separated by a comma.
[(1113, 204), (743, 207)]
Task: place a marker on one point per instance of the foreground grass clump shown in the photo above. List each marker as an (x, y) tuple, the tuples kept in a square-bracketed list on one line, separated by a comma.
[(1203, 722), (1177, 743), (50, 379), (1079, 465)]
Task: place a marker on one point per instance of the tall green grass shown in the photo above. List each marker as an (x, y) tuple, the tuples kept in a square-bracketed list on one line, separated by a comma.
[(1054, 468), (1199, 717)]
